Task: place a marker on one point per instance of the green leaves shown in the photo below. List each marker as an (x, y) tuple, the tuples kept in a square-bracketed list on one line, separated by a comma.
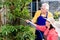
[(25, 14), (17, 9), (25, 33), (56, 14), (1, 4), (17, 32), (6, 29)]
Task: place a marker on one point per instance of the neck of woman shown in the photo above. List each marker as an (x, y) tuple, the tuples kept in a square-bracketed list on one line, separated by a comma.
[(44, 15)]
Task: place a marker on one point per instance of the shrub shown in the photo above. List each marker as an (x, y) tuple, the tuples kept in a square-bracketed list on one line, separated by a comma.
[(10, 32)]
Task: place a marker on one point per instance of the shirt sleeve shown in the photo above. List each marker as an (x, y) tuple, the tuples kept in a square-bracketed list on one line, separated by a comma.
[(37, 14), (41, 28)]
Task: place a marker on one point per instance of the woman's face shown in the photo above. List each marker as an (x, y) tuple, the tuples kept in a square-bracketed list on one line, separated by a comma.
[(48, 24), (43, 9)]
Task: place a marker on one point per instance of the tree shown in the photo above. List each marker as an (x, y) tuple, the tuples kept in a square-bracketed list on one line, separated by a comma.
[(17, 9)]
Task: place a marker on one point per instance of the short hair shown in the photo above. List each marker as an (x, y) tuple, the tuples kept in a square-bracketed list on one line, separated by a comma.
[(46, 5)]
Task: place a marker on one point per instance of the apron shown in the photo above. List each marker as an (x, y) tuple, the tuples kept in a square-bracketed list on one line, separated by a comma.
[(40, 21)]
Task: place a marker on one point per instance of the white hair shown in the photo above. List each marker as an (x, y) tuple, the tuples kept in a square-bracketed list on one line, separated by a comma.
[(46, 5)]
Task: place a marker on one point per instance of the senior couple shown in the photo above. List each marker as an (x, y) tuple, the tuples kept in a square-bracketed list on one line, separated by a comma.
[(43, 21)]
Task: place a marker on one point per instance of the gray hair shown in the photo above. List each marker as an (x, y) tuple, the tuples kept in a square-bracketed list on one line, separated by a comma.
[(46, 5)]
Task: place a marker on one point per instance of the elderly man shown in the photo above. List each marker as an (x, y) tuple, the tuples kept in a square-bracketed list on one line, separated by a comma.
[(39, 19)]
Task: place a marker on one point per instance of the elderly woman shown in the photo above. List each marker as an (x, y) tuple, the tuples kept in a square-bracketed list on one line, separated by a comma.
[(39, 19), (49, 30)]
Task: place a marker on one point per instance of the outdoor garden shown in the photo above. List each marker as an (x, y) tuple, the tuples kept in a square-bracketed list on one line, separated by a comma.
[(16, 28)]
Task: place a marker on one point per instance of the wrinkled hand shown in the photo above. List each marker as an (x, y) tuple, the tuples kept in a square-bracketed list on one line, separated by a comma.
[(27, 21)]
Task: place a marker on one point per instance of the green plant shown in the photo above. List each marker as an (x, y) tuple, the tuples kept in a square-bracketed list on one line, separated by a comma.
[(10, 32), (1, 4), (57, 14), (17, 9)]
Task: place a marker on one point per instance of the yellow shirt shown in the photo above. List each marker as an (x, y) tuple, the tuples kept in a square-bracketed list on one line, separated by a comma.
[(37, 14)]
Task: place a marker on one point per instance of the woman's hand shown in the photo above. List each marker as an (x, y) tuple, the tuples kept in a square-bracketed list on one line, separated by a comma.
[(27, 21)]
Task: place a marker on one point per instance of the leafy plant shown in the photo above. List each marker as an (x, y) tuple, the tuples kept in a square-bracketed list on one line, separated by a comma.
[(1, 4), (17, 9), (57, 14), (17, 32)]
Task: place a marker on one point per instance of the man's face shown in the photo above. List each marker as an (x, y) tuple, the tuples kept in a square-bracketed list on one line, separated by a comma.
[(43, 9)]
